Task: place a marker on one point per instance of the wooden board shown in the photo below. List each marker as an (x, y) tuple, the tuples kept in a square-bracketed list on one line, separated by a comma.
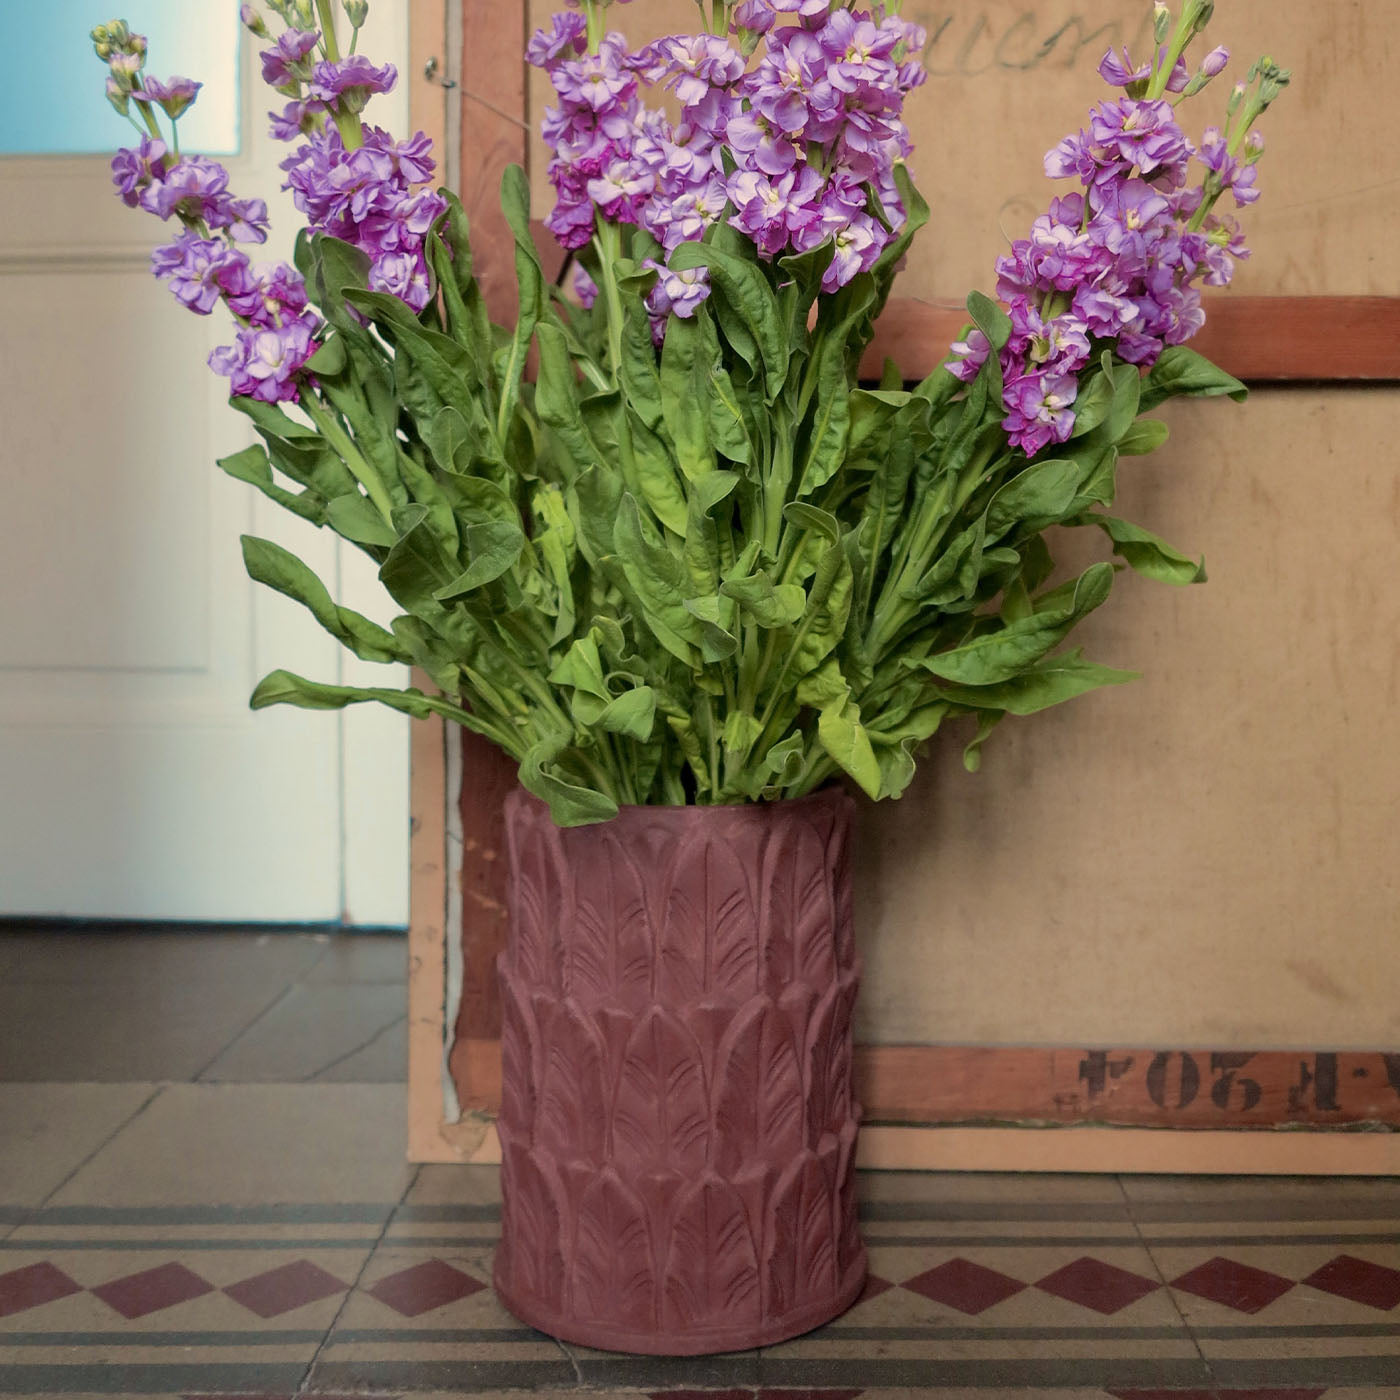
[(1258, 339), (928, 1085)]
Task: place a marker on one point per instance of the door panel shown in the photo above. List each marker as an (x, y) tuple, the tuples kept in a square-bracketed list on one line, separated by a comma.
[(134, 781)]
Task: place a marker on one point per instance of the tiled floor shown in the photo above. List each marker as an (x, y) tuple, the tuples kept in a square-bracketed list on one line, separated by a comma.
[(212, 1200)]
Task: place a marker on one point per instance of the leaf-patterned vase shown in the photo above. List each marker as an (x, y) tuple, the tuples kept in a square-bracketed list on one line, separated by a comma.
[(677, 1125)]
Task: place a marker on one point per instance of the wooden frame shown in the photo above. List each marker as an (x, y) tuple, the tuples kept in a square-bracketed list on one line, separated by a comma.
[(926, 1107)]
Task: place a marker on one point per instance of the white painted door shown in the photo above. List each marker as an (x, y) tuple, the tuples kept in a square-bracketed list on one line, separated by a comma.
[(134, 781)]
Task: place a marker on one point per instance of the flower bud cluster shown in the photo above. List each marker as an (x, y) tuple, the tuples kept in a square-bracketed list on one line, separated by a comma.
[(795, 150), (1118, 264)]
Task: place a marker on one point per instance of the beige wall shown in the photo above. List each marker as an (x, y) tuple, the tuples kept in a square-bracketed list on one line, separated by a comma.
[(1209, 856)]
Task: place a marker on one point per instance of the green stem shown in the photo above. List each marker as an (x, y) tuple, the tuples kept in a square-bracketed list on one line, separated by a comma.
[(344, 444), (332, 46), (608, 246)]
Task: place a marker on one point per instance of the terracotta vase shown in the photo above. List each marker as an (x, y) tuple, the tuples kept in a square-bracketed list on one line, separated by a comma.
[(677, 1124)]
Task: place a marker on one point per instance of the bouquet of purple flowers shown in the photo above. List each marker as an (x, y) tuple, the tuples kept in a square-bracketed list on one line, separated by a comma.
[(691, 559)]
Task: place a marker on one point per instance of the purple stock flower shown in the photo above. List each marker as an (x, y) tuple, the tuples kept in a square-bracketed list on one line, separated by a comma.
[(135, 168), (676, 293), (272, 294), (566, 37), (793, 143), (585, 288), (284, 65), (245, 219), (354, 79), (297, 119), (1141, 134), (404, 274), (189, 188), (265, 362), (173, 97), (200, 270), (1040, 410), (770, 212)]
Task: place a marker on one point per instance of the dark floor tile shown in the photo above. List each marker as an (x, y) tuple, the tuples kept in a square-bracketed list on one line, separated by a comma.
[(383, 1061), (622, 1371), (169, 957), (314, 1030), (162, 1028), (363, 957)]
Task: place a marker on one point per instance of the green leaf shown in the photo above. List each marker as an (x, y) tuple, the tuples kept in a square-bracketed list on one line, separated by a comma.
[(1036, 497), (641, 379), (515, 204), (569, 803), (824, 620), (284, 688), (744, 293), (1146, 435), (741, 732), (1182, 371), (1093, 402), (987, 721), (493, 547), (633, 713), (1006, 652), (1049, 682), (686, 362), (813, 518), (581, 669), (990, 319), (252, 466), (354, 517), (557, 393), (657, 480), (279, 569), (1143, 551), (831, 422), (417, 565), (660, 582), (783, 762), (844, 738)]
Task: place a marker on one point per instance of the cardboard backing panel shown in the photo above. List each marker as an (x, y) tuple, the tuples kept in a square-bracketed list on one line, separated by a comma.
[(1207, 857)]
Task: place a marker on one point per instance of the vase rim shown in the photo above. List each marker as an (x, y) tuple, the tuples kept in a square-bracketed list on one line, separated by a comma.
[(832, 794)]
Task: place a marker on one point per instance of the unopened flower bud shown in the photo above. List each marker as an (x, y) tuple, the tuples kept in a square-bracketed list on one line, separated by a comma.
[(253, 21), (118, 96), (137, 44), (1214, 62), (99, 34), (1161, 21), (1236, 97), (357, 12), (304, 12)]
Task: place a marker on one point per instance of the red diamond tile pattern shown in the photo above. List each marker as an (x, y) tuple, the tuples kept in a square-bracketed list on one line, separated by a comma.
[(1093, 1284), (280, 1290), (1234, 1285), (1358, 1281), (1268, 1394), (968, 1287), (874, 1286), (152, 1290), (767, 1393), (426, 1286), (33, 1285)]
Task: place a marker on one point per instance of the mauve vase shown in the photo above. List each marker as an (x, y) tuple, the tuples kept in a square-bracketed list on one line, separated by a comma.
[(677, 1124)]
